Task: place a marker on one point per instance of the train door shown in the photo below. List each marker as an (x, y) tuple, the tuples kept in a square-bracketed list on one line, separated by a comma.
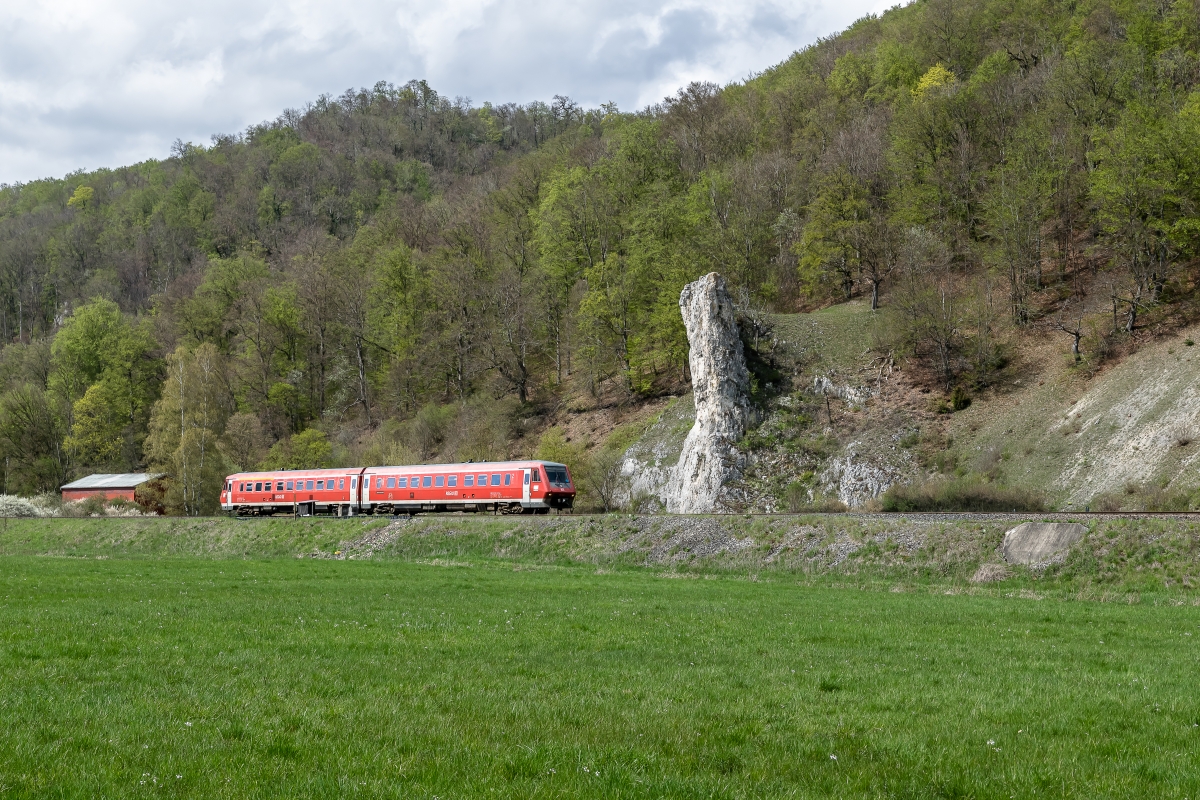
[(525, 485)]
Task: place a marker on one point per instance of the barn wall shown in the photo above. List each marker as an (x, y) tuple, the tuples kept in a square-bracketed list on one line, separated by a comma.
[(72, 495)]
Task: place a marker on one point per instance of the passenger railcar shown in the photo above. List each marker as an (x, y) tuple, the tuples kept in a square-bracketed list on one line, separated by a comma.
[(511, 487)]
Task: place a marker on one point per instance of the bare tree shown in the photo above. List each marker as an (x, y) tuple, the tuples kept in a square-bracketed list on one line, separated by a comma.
[(1075, 330)]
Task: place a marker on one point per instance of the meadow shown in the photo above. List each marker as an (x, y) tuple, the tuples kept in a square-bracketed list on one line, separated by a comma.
[(189, 676)]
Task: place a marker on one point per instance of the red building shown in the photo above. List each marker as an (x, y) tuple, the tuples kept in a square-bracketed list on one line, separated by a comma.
[(110, 486)]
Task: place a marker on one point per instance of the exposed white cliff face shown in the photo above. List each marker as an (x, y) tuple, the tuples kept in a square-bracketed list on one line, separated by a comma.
[(649, 464), (852, 395), (720, 386), (857, 478)]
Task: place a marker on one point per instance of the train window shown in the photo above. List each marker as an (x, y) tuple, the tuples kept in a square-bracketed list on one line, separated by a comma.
[(452, 480), (320, 486), (279, 486), (354, 483), (495, 479), (379, 483), (426, 481), (241, 487), (482, 480), (308, 485), (526, 478), (537, 476), (508, 479), (258, 487), (290, 484), (392, 482), (440, 481), (341, 483), (468, 480), (402, 483)]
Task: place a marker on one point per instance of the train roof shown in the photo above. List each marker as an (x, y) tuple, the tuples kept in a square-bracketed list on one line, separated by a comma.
[(459, 466), (470, 465), (274, 472)]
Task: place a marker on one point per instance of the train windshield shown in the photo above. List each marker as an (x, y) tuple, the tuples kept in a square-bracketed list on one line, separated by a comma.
[(557, 475)]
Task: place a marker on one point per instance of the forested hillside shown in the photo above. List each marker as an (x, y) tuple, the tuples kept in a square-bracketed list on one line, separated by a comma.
[(391, 275)]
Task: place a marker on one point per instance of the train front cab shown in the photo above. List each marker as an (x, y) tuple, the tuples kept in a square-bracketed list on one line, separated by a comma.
[(510, 487), (552, 487)]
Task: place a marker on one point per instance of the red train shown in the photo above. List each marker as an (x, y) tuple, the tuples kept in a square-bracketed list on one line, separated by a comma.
[(511, 487)]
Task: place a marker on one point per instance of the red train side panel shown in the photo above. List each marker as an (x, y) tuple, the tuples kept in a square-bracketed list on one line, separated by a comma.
[(293, 491)]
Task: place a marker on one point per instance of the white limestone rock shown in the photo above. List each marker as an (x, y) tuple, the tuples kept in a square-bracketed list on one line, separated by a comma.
[(721, 388), (856, 479), (1037, 542), (649, 464)]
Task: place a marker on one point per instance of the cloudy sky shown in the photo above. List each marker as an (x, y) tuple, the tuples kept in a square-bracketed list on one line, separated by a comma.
[(96, 83)]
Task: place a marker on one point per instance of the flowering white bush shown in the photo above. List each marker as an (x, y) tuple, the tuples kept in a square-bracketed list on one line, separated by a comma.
[(98, 506), (13, 506)]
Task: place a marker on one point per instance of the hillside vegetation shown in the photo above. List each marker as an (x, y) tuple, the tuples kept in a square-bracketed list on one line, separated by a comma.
[(391, 276)]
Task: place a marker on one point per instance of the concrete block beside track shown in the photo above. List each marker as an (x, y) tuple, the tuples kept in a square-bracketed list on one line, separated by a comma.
[(1035, 542)]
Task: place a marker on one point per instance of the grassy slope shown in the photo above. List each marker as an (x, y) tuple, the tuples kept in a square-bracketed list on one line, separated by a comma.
[(1125, 559), (1080, 438), (834, 339), (219, 678), (1051, 428), (219, 537)]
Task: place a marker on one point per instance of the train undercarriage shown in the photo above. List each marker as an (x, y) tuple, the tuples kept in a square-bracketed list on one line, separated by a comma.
[(384, 509)]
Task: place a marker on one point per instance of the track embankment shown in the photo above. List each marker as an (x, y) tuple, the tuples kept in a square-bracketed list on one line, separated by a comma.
[(1120, 556)]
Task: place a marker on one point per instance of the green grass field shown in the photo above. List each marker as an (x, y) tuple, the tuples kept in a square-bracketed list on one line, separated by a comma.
[(224, 677)]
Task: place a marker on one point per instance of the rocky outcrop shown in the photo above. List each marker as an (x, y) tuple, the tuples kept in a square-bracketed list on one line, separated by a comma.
[(720, 386), (648, 466), (852, 395), (856, 478)]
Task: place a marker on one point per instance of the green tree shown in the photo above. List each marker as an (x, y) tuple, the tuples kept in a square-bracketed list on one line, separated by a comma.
[(186, 426), (31, 441), (1014, 213), (106, 373), (1134, 189), (831, 246), (308, 449)]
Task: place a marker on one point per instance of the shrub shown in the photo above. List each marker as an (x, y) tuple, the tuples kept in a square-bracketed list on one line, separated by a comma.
[(14, 506), (964, 494), (959, 398), (93, 506), (796, 496), (1183, 435), (644, 503)]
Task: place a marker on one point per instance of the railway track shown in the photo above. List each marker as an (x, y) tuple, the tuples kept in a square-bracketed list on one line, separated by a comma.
[(927, 516)]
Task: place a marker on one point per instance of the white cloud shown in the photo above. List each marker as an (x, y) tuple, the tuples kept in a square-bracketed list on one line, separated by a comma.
[(110, 82)]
